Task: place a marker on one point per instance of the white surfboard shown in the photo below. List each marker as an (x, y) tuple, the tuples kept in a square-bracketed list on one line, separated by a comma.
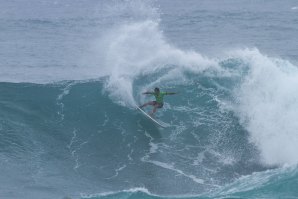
[(162, 124)]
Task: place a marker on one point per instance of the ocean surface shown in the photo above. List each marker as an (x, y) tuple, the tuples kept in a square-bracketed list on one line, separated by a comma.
[(72, 72)]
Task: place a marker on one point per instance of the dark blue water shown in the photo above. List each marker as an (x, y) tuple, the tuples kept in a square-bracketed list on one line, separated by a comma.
[(72, 73)]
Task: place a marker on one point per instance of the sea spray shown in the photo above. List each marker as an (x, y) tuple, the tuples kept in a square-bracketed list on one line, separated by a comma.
[(268, 106), (136, 49)]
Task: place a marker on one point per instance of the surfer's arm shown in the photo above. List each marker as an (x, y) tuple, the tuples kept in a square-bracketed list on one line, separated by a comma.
[(170, 93), (145, 93)]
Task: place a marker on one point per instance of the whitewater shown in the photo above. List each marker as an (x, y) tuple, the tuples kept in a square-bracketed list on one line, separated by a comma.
[(72, 72)]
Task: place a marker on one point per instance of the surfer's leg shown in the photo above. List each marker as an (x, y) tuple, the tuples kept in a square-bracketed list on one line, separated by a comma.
[(146, 104), (154, 110)]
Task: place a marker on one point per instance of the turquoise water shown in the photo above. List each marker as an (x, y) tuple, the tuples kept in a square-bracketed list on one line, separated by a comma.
[(73, 71)]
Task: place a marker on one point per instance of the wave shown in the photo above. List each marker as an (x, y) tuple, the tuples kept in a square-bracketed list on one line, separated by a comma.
[(244, 98), (228, 123), (263, 106), (277, 183), (214, 137)]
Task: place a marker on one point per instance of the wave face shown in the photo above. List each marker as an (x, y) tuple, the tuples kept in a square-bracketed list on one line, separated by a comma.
[(68, 123)]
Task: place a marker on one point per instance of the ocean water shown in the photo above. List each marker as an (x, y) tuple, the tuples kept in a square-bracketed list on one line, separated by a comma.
[(72, 71)]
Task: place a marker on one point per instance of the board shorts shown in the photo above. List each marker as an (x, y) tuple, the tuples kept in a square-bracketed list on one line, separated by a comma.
[(160, 105)]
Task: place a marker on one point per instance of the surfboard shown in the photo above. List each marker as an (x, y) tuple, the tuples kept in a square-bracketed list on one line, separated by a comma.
[(159, 123)]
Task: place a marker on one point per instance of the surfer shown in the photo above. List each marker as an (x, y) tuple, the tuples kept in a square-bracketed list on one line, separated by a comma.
[(158, 103)]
